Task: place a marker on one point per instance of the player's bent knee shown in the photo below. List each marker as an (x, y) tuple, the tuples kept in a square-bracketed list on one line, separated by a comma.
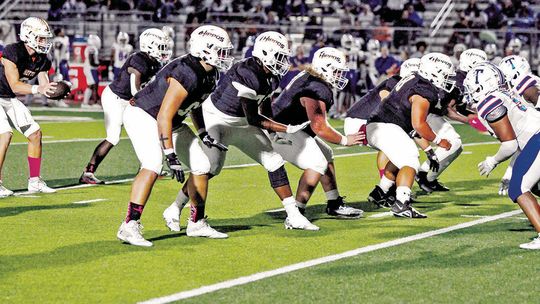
[(152, 167), (113, 140), (278, 178), (202, 167), (273, 162), (32, 132), (515, 188)]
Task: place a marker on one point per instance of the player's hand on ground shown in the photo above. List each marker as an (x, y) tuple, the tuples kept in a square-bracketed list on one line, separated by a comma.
[(212, 143), (175, 167), (503, 187), (445, 144), (356, 139), (433, 160), (487, 166), (278, 139), (47, 88), (296, 128)]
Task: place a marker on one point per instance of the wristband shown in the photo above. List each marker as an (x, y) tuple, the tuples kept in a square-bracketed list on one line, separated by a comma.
[(429, 148), (202, 133), (437, 139), (343, 141), (168, 151), (35, 89)]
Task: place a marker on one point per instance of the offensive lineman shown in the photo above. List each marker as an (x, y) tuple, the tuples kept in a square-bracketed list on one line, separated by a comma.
[(120, 52), (23, 61), (232, 117), (137, 70), (402, 115), (160, 109), (308, 97)]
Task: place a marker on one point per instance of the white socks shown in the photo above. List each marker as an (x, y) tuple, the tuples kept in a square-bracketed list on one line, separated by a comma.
[(385, 184), (87, 95), (403, 194), (332, 194), (290, 205)]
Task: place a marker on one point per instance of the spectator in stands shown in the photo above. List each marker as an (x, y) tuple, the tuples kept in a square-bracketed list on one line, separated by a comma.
[(494, 16), (386, 64), (298, 63), (279, 6), (121, 5), (321, 41), (472, 10), (402, 37), (297, 8), (311, 33), (421, 49), (509, 9), (74, 8), (414, 17), (55, 10), (419, 5), (393, 10), (382, 33), (460, 35)]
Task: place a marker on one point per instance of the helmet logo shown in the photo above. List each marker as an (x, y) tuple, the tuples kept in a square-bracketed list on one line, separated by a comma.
[(326, 55), (511, 61), (438, 60), (270, 39), (210, 34), (478, 72)]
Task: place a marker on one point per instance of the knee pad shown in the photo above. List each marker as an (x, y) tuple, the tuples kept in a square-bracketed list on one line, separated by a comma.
[(153, 164), (278, 177), (30, 129), (201, 166), (272, 161), (320, 167)]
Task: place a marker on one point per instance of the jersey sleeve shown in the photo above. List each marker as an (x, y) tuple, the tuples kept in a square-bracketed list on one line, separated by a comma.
[(186, 77), (246, 83), (525, 83), (491, 108), (319, 91), (388, 84), (138, 62), (46, 66), (10, 53), (426, 90)]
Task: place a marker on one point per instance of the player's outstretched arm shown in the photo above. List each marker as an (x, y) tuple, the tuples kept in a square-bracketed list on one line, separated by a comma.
[(316, 112), (19, 87), (509, 145), (419, 112)]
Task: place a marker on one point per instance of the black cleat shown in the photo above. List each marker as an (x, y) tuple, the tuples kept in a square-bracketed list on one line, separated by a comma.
[(90, 178), (379, 198), (438, 187), (339, 209), (400, 209), (421, 179)]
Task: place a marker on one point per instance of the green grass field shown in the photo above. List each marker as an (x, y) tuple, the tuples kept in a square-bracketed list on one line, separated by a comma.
[(55, 249)]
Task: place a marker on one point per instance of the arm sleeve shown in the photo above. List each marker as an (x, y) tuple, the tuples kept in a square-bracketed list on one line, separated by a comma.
[(247, 84)]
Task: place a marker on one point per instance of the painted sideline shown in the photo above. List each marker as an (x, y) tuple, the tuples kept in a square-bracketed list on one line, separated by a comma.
[(327, 259)]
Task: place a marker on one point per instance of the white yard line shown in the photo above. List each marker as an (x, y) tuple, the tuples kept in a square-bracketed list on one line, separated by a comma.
[(382, 214), (67, 141), (323, 260), (90, 201)]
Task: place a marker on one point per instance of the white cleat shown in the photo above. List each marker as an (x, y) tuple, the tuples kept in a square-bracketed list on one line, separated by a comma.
[(533, 245), (171, 215), (298, 221), (4, 192), (131, 233), (202, 229), (37, 185)]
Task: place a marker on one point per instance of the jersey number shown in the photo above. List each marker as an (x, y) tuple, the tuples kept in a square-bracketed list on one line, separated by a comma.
[(188, 109)]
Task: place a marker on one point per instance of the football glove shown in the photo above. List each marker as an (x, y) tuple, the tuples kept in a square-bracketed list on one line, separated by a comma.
[(176, 167), (503, 187), (296, 128), (433, 160), (210, 142), (487, 166), (278, 139)]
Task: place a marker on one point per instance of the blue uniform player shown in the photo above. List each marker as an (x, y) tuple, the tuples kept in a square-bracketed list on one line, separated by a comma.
[(138, 69), (160, 109), (307, 98)]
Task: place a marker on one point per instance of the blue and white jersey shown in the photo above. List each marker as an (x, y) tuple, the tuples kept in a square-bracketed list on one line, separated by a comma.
[(524, 119), (526, 82)]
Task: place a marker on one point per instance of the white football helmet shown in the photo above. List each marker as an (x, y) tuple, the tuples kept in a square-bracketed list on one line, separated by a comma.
[(408, 67), (482, 80), (35, 33), (373, 46), (438, 69), (515, 44), (491, 50), (213, 45), (94, 40), (154, 42), (169, 31), (347, 41), (514, 69), (272, 49), (332, 65), (122, 38), (470, 58)]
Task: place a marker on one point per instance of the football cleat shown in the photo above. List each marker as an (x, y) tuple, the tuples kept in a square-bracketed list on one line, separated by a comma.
[(421, 179), (400, 209), (438, 187), (4, 192), (171, 215), (532, 245), (37, 185), (379, 198), (299, 221), (201, 228), (131, 233), (90, 178), (339, 209)]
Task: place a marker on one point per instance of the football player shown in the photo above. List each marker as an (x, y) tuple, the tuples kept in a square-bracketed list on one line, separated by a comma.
[(231, 116), (23, 61), (308, 97), (137, 70), (517, 126), (520, 79), (161, 107), (61, 54), (402, 115), (120, 51), (91, 63), (428, 179), (492, 53)]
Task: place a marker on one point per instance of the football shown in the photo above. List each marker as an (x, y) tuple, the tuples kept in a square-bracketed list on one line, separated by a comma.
[(61, 91)]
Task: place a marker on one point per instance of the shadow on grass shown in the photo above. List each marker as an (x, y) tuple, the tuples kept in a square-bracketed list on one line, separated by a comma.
[(12, 211)]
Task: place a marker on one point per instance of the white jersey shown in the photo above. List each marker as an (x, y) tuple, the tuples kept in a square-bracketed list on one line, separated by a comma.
[(121, 53), (91, 52), (61, 48), (524, 119)]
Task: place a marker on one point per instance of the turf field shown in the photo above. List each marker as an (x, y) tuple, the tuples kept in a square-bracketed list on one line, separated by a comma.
[(62, 247)]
